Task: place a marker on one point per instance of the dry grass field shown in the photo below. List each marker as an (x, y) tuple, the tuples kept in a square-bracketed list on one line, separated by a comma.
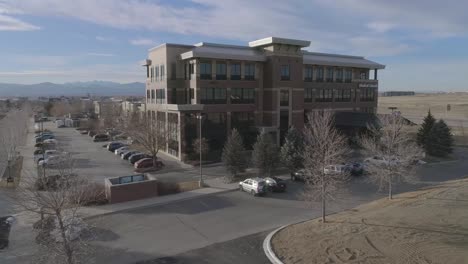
[(419, 104), (422, 227), (416, 107)]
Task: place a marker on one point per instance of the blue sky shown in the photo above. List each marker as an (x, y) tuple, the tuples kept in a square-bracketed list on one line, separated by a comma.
[(422, 42)]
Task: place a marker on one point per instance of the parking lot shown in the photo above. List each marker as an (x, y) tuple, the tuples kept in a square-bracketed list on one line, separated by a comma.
[(91, 159)]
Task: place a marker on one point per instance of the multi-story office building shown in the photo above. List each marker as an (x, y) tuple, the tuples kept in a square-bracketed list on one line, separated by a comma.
[(267, 86)]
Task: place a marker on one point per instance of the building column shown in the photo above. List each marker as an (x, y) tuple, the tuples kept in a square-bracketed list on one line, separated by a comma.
[(213, 69), (166, 129), (242, 70)]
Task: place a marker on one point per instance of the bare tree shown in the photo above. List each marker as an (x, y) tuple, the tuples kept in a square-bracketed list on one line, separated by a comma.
[(13, 131), (57, 197), (323, 146), (149, 134), (201, 148), (394, 152)]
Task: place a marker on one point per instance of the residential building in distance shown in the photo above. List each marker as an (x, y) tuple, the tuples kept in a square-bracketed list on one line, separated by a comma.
[(130, 107), (268, 86), (398, 93), (105, 108)]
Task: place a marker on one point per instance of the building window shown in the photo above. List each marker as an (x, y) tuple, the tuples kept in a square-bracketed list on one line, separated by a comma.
[(319, 77), (152, 95), (148, 94), (324, 95), (339, 75), (235, 71), (367, 94), (249, 72), (308, 74), (162, 72), (220, 71), (152, 73), (329, 74), (242, 96), (285, 76), (205, 70), (160, 96), (284, 98), (156, 73), (308, 95), (213, 96), (363, 75), (348, 75), (343, 95)]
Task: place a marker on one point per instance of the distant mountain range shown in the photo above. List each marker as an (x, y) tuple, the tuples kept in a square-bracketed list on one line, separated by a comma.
[(96, 88)]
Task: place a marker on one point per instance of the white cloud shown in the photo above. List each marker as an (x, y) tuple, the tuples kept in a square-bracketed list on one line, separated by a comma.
[(8, 23), (380, 27), (142, 42)]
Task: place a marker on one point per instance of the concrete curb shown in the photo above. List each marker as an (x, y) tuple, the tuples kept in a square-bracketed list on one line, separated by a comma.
[(267, 246), (155, 204)]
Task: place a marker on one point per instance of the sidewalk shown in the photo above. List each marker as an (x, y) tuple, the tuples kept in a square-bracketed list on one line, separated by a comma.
[(96, 211)]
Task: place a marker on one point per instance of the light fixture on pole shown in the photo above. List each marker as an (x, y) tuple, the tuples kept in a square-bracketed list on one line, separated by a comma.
[(200, 117)]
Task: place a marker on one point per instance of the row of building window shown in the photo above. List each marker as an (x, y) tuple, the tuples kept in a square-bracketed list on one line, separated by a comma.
[(157, 73), (218, 96), (215, 95), (332, 74), (221, 71), (341, 95)]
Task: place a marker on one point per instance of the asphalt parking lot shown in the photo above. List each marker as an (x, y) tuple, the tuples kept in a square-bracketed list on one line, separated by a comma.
[(91, 159)]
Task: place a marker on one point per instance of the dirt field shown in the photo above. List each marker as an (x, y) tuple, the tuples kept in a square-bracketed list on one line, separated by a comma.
[(419, 104), (428, 226)]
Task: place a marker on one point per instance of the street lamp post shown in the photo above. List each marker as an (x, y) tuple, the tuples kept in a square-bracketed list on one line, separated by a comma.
[(200, 117)]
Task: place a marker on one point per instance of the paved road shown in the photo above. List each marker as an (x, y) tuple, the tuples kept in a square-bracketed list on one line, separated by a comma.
[(199, 226)]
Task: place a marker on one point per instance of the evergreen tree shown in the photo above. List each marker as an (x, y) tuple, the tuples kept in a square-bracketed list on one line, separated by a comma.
[(291, 151), (425, 129), (265, 154), (440, 140), (233, 154)]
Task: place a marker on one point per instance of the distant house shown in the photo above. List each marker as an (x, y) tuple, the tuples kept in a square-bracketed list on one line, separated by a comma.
[(398, 93)]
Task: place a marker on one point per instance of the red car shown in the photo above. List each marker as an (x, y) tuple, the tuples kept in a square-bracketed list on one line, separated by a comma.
[(147, 163)]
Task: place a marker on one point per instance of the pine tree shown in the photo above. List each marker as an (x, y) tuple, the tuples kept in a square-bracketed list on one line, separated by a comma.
[(440, 140), (425, 129), (265, 154), (233, 154), (291, 151)]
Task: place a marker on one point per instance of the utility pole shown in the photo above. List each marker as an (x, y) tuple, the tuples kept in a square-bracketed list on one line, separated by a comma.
[(200, 117)]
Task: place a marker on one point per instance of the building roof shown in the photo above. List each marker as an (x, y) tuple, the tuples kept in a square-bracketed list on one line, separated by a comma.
[(219, 51), (340, 60), (275, 40)]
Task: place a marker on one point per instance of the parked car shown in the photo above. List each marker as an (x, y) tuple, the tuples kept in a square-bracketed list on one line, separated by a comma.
[(147, 163), (50, 141), (335, 169), (52, 161), (91, 133), (128, 154), (136, 157), (44, 137), (83, 132), (275, 184), (376, 160), (298, 175), (254, 186), (44, 134), (114, 145), (100, 138), (46, 154), (121, 150), (355, 168)]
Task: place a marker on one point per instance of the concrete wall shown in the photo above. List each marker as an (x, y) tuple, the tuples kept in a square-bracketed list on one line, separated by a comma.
[(131, 191)]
